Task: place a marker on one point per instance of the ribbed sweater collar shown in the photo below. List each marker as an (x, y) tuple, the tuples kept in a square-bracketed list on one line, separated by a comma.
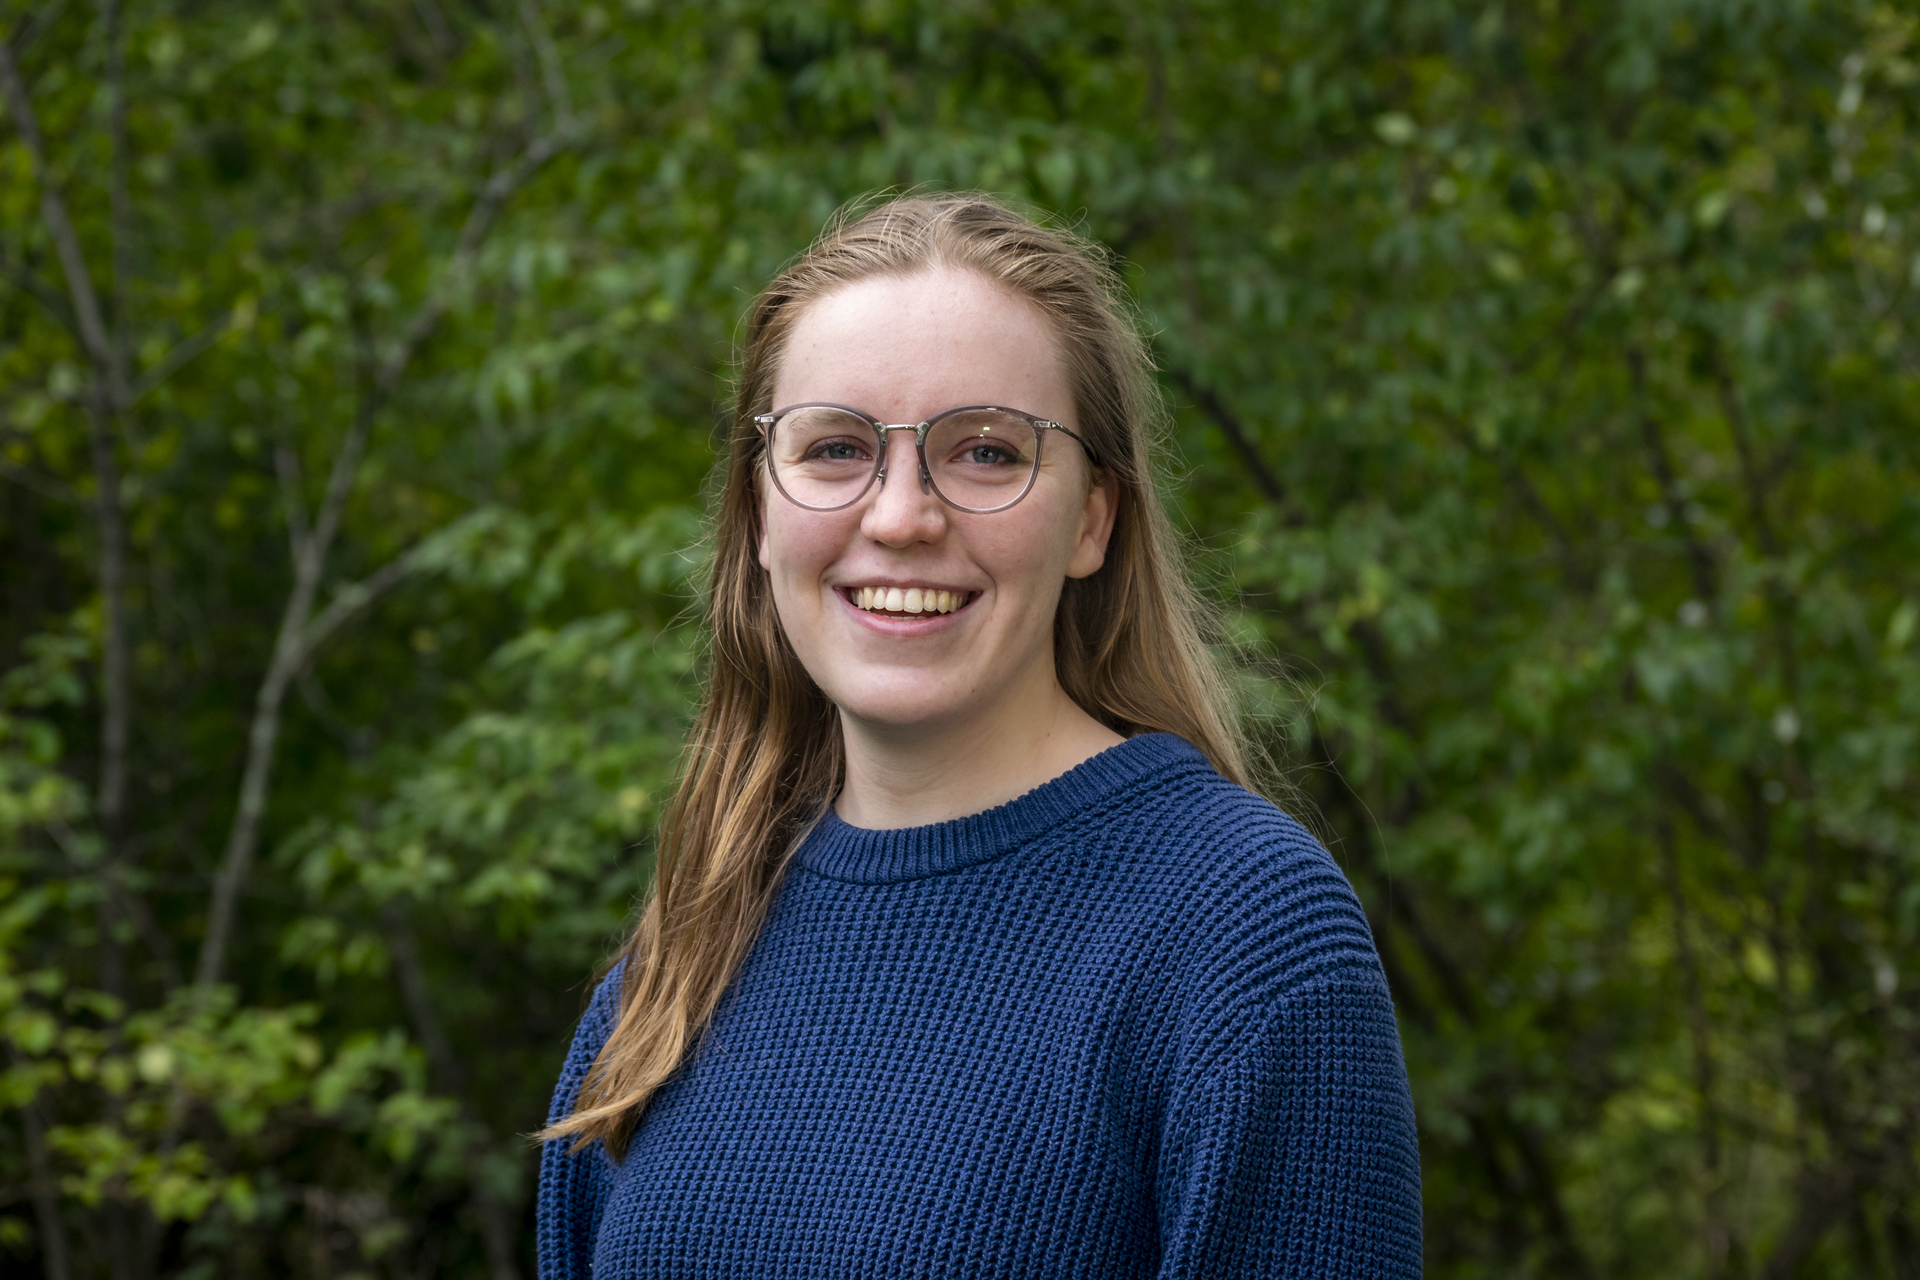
[(841, 851)]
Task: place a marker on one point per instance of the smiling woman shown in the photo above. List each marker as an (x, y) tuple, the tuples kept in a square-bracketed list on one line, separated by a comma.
[(915, 688), (970, 953)]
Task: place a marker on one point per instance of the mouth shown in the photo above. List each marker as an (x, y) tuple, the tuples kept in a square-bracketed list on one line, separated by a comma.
[(906, 602)]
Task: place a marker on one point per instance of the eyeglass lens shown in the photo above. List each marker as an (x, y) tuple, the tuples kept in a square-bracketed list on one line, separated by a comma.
[(978, 459)]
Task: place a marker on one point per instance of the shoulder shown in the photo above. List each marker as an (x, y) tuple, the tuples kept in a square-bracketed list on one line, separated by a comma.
[(1247, 905), (603, 1010), (596, 1025), (1215, 852)]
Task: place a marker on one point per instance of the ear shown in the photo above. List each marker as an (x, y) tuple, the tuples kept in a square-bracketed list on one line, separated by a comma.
[(1096, 526)]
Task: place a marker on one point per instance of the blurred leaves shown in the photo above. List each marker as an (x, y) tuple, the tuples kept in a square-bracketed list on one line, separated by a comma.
[(1576, 347)]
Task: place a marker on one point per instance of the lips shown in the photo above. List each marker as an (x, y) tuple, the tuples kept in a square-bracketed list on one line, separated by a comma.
[(907, 601)]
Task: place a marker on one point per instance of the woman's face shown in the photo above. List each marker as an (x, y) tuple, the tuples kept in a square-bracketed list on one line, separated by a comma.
[(903, 349)]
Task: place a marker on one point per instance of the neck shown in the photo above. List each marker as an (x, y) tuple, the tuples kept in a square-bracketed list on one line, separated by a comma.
[(912, 775)]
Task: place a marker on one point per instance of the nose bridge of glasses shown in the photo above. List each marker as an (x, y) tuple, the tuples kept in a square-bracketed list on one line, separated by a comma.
[(886, 430)]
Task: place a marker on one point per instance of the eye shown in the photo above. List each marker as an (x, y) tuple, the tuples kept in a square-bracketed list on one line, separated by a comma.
[(987, 453), (981, 446), (840, 450)]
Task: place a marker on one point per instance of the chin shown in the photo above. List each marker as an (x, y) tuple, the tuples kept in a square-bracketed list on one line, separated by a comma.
[(900, 711)]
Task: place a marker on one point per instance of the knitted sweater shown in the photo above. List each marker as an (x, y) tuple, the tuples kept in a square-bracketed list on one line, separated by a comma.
[(1129, 1024)]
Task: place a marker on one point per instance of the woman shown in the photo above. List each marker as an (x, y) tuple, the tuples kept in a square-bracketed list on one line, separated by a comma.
[(970, 953)]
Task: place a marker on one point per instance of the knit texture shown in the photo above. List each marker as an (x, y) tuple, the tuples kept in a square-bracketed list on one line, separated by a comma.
[(1130, 1024)]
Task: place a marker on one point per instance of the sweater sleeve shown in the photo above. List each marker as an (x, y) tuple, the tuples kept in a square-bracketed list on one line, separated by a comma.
[(574, 1187), (1292, 1152)]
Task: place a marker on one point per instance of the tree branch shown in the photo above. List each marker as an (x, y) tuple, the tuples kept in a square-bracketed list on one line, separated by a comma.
[(494, 1218), (479, 222), (1780, 603), (439, 35), (551, 76), (106, 403), (1210, 403), (120, 200), (300, 633), (299, 532), (184, 352), (295, 644), (1706, 574), (1823, 1194), (45, 486), (53, 211), (1699, 1029), (1404, 915), (22, 37), (1531, 498), (46, 1192), (1693, 802), (1743, 446), (357, 596), (45, 1186), (43, 293)]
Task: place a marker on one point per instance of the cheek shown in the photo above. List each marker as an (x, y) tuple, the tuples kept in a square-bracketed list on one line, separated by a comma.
[(795, 552), (1025, 558)]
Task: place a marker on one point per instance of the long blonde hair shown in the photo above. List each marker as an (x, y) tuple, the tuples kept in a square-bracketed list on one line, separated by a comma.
[(765, 756)]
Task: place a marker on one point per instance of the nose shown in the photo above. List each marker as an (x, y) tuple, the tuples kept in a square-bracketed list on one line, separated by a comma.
[(901, 509)]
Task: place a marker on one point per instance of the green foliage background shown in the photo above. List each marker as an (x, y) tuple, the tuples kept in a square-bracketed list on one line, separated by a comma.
[(1544, 386)]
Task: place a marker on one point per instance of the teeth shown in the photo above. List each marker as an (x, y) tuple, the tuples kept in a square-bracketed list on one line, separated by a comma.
[(908, 600)]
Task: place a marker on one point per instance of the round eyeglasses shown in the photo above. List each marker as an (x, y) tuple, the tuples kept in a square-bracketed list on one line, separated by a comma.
[(978, 457)]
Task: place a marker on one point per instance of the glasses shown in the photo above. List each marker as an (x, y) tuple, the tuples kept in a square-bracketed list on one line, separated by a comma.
[(976, 458)]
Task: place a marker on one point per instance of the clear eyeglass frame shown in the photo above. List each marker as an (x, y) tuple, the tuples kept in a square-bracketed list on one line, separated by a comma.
[(1041, 426)]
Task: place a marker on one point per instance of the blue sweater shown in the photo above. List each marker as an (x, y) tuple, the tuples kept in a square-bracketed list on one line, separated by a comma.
[(1130, 1024)]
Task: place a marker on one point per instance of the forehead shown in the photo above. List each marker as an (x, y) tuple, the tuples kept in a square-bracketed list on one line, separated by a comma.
[(915, 344)]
